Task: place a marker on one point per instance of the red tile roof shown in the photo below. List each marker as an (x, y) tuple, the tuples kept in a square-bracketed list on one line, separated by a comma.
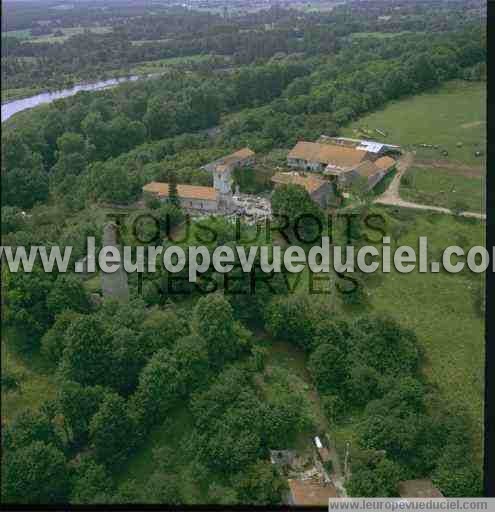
[(183, 191), (310, 183), (339, 156)]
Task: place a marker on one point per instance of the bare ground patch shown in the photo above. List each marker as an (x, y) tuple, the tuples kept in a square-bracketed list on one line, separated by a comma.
[(473, 124)]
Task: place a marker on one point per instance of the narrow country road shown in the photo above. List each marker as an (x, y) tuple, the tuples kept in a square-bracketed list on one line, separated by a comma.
[(391, 196)]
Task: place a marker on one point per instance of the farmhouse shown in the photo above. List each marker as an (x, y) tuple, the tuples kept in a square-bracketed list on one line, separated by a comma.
[(320, 190), (191, 197), (367, 172), (313, 156), (344, 160), (223, 168)]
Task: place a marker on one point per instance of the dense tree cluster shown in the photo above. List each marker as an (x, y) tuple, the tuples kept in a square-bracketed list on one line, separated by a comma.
[(371, 367), (122, 369)]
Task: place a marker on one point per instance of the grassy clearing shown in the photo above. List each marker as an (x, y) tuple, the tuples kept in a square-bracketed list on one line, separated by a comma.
[(316, 7), (379, 35), (69, 32), (155, 66), (440, 187), (36, 382), (169, 437), (292, 361), (93, 284), (150, 41), (455, 112)]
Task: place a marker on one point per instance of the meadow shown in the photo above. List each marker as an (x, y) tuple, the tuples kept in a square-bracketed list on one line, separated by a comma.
[(452, 117), (69, 32), (444, 187), (155, 66), (379, 35)]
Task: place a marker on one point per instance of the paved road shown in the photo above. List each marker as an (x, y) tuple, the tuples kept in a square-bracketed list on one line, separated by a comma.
[(391, 196)]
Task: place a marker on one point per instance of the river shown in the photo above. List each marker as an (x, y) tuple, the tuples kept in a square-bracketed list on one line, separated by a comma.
[(13, 107)]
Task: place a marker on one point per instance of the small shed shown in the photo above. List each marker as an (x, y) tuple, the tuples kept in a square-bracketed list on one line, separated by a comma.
[(322, 450)]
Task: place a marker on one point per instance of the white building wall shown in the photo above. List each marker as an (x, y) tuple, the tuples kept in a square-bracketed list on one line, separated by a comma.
[(305, 165), (205, 205), (222, 181)]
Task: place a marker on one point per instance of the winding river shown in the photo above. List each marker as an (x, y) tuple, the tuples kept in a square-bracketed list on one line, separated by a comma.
[(13, 107)]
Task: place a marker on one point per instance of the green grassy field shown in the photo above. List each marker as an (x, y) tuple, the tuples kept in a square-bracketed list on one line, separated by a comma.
[(454, 113), (25, 35), (316, 6), (149, 41), (442, 187), (69, 32), (379, 35), (155, 66)]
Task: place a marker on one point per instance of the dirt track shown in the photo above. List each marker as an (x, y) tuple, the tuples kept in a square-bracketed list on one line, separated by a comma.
[(391, 196)]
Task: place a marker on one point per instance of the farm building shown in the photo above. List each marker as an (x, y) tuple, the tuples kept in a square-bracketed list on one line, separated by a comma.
[(345, 160), (309, 493), (323, 452), (312, 156), (370, 173), (373, 147), (191, 197), (223, 168), (320, 190)]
